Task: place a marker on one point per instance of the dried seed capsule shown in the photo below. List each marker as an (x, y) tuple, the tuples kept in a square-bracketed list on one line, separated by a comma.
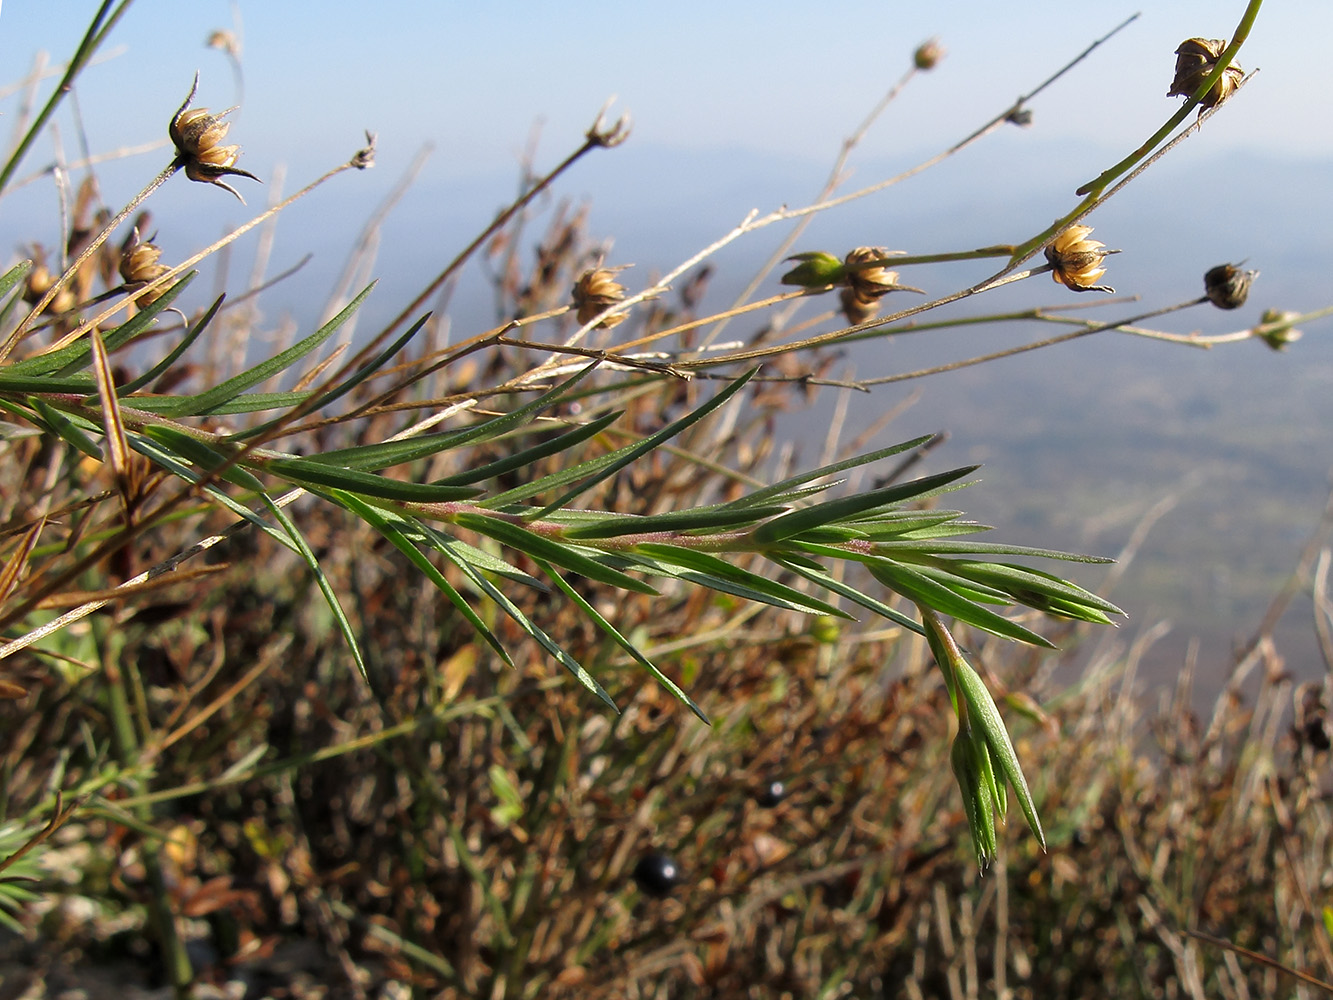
[(197, 135), (927, 54), (1275, 329), (139, 266), (1228, 286), (870, 281), (1195, 59), (596, 291), (1076, 260)]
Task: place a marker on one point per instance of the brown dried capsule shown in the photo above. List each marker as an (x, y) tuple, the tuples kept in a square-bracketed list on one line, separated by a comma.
[(139, 266), (596, 291), (856, 309), (1195, 59), (197, 135), (1076, 260), (869, 280), (39, 282), (1228, 286)]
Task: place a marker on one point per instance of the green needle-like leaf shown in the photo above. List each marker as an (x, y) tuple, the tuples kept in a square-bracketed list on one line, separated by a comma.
[(609, 465), (305, 472), (548, 550), (846, 508), (387, 523), (629, 647), (211, 400)]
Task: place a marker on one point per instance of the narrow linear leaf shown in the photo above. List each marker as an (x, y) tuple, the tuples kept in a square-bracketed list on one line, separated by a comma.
[(322, 581), (625, 644), (816, 574), (549, 550), (385, 523), (199, 453), (718, 574), (167, 460), (305, 472), (77, 355), (531, 456), (191, 335), (65, 428), (581, 674), (346, 386), (710, 518), (390, 453), (770, 492), (210, 400), (984, 714), (254, 402), (844, 508), (612, 463), (118, 449), (11, 278), (921, 590), (989, 548)]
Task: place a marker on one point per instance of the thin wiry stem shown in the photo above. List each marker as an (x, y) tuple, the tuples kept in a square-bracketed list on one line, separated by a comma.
[(94, 245), (175, 272), (836, 176), (1024, 348), (103, 21)]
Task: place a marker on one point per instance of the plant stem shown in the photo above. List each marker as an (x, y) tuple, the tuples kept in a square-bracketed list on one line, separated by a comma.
[(92, 40)]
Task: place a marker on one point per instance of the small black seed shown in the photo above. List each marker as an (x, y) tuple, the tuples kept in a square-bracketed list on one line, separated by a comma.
[(771, 794), (656, 874)]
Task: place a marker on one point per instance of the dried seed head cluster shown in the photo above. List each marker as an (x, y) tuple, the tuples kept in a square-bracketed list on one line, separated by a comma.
[(866, 283), (1076, 260), (596, 291), (1195, 59), (927, 54), (138, 266), (39, 282), (1228, 286), (197, 135)]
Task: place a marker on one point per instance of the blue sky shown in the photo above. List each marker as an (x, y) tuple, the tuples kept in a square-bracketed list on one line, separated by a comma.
[(781, 77)]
